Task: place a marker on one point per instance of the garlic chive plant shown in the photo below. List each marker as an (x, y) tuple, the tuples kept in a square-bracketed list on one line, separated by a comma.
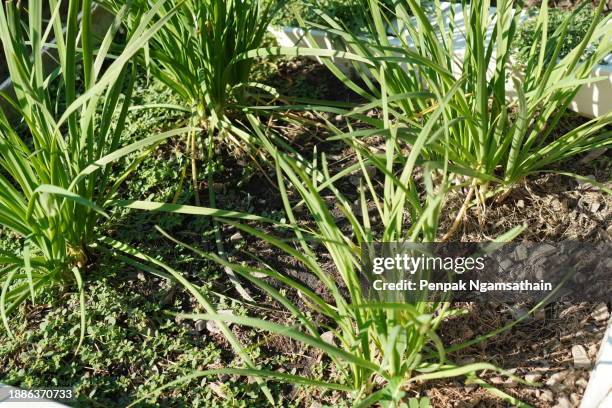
[(56, 163), (504, 136), (201, 54), (205, 54), (377, 349)]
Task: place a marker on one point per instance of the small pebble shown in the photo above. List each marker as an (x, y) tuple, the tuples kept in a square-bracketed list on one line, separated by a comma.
[(601, 313), (236, 237), (575, 399), (328, 337), (563, 402), (521, 252), (496, 380), (200, 325), (556, 378), (506, 264), (593, 350), (581, 358), (474, 401), (543, 251), (547, 396), (582, 382), (533, 377), (212, 326)]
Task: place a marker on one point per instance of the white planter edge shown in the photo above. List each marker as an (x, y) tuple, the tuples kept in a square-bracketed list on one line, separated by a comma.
[(598, 393), (592, 100)]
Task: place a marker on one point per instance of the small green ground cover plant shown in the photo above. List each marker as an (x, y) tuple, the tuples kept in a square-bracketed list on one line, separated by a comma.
[(129, 352), (133, 349)]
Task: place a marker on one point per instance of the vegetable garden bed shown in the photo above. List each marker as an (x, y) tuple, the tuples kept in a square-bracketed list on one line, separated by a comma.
[(195, 241)]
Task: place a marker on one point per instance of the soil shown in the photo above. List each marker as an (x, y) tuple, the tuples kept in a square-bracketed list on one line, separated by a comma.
[(553, 207), (539, 347)]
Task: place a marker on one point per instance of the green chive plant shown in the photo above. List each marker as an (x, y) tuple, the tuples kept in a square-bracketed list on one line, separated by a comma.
[(201, 54), (368, 344), (505, 135), (206, 53), (56, 163)]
